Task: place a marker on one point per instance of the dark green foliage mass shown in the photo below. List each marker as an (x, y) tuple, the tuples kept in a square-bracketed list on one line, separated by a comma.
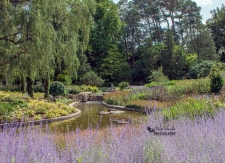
[(87, 41), (56, 88), (216, 79), (92, 79), (123, 85), (216, 26), (64, 78), (200, 69), (124, 72)]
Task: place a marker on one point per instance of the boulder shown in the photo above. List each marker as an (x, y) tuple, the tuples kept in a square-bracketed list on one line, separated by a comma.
[(112, 109), (103, 112), (111, 112), (84, 96), (117, 112)]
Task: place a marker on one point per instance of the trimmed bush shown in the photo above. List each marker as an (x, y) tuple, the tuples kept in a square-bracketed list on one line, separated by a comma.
[(123, 85), (56, 88)]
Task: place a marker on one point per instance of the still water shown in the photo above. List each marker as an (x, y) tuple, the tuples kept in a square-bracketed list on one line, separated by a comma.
[(90, 117)]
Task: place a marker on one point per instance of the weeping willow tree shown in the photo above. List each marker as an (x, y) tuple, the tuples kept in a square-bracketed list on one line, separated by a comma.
[(45, 36)]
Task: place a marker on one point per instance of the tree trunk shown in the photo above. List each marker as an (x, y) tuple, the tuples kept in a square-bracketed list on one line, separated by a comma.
[(22, 85), (57, 72), (126, 49), (5, 80), (30, 88), (46, 87)]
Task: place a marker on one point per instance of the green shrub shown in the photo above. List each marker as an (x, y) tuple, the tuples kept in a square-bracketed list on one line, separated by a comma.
[(9, 87), (200, 69), (37, 117), (167, 83), (50, 115), (91, 78), (216, 80), (191, 108), (189, 87), (92, 89), (38, 88), (64, 101), (40, 110), (30, 113), (5, 108), (124, 73), (74, 89), (20, 103), (123, 85), (158, 76), (56, 88), (111, 101), (65, 79)]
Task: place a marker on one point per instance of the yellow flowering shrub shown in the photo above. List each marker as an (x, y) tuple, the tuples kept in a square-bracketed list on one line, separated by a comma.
[(26, 108)]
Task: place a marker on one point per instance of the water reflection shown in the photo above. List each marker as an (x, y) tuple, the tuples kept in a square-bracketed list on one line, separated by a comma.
[(90, 117)]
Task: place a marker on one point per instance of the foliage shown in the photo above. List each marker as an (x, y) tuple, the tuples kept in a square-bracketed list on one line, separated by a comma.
[(158, 76), (73, 89), (190, 59), (139, 93), (65, 79), (193, 86), (216, 80), (111, 101), (22, 108), (203, 45), (56, 88), (116, 98), (35, 45), (10, 87), (92, 79), (105, 34), (5, 108), (167, 83), (216, 26), (123, 85), (124, 73), (110, 67), (192, 108), (147, 56), (38, 88), (89, 88), (200, 69)]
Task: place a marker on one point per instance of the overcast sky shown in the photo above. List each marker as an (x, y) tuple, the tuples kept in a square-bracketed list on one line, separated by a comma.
[(206, 6)]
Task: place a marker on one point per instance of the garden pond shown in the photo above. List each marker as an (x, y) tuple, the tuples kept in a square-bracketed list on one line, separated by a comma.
[(90, 117)]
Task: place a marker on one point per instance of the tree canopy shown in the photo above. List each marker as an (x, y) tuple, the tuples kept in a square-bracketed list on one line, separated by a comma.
[(74, 40)]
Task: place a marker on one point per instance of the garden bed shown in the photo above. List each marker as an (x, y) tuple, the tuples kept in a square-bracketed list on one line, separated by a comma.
[(15, 107)]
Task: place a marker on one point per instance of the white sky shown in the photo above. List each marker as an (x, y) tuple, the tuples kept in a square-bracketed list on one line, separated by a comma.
[(206, 6)]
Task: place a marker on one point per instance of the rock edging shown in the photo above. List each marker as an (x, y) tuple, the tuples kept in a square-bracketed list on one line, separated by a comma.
[(35, 122), (122, 107)]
